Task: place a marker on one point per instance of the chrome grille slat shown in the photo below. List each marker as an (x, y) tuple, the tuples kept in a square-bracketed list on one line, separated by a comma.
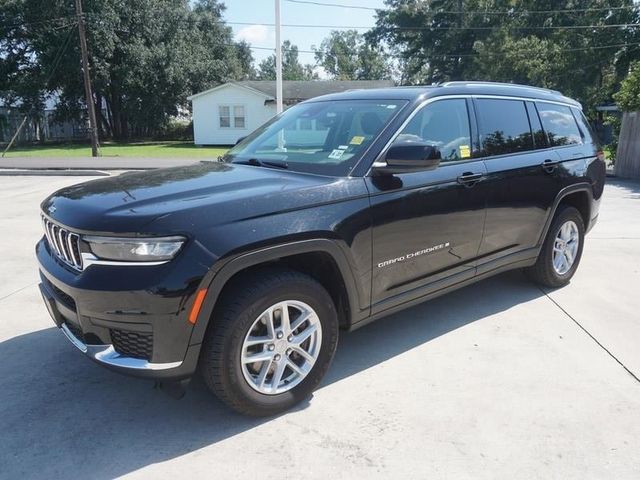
[(62, 242)]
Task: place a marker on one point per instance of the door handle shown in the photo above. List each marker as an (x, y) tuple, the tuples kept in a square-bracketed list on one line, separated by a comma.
[(469, 179), (549, 165)]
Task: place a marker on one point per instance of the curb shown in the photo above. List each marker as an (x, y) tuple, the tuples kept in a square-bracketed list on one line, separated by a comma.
[(7, 172)]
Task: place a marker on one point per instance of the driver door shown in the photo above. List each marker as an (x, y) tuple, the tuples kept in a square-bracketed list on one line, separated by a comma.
[(428, 225)]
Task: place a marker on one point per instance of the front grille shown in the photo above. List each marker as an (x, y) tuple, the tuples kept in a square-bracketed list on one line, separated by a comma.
[(65, 244), (75, 329), (132, 344)]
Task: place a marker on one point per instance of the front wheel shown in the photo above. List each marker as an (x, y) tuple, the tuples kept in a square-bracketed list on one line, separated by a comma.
[(271, 342), (562, 249)]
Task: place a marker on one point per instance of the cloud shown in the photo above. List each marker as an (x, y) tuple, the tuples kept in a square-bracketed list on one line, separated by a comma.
[(253, 34)]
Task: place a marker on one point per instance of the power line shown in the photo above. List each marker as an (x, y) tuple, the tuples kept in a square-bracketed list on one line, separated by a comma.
[(456, 55), (37, 22), (360, 27), (322, 4), (472, 12)]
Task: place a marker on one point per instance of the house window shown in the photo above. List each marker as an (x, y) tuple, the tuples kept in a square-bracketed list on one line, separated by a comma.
[(238, 116), (232, 116)]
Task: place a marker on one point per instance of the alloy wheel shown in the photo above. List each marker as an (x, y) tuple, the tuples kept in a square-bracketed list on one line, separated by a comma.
[(281, 347), (565, 247)]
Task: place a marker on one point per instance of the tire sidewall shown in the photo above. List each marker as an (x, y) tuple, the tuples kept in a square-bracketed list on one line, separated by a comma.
[(568, 214), (316, 298)]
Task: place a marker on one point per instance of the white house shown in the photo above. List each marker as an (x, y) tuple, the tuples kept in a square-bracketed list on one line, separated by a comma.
[(228, 112)]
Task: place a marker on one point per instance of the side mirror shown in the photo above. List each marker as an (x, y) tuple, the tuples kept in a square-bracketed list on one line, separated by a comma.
[(409, 156)]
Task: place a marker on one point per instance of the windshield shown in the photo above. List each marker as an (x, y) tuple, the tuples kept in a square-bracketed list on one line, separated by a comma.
[(327, 138)]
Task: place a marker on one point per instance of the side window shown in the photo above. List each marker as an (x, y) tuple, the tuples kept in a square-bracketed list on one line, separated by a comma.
[(224, 113), (559, 124), (585, 130), (539, 137), (443, 124), (504, 126), (238, 116)]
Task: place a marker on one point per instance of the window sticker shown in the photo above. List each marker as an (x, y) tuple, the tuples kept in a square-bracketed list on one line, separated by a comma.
[(343, 147), (336, 154), (465, 151), (357, 140)]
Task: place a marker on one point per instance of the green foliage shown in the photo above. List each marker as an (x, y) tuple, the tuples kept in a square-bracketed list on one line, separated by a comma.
[(345, 55), (616, 122), (441, 40), (146, 57), (628, 98), (175, 129), (292, 69)]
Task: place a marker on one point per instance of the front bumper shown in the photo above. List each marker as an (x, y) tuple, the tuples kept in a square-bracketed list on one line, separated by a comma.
[(132, 321)]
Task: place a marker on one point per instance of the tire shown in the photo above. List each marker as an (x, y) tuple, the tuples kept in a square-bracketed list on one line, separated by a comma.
[(243, 315), (543, 271)]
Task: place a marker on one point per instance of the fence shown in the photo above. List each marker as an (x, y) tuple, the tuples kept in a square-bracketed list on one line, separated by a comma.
[(46, 129), (628, 154)]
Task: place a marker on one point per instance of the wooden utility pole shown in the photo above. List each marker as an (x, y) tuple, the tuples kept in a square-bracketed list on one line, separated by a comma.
[(93, 130)]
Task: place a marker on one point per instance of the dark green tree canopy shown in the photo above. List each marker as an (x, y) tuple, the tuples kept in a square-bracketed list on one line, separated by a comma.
[(292, 69), (628, 98), (345, 55), (539, 42), (146, 57)]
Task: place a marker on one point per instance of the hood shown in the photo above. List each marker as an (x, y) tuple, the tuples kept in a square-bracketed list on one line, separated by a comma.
[(208, 193)]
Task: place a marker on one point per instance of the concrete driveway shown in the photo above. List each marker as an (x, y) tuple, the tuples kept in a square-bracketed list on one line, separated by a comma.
[(499, 380)]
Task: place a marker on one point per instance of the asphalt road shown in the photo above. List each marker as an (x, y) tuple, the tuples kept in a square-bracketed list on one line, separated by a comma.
[(498, 380)]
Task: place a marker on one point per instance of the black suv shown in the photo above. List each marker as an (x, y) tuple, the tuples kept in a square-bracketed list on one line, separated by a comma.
[(341, 210)]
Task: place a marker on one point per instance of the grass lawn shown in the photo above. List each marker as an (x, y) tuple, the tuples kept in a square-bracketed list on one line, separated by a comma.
[(143, 149)]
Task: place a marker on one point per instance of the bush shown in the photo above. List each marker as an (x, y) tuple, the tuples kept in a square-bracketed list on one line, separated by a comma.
[(615, 121), (628, 98), (176, 130)]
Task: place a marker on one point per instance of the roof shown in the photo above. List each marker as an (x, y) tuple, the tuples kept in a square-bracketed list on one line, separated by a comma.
[(420, 92), (296, 91)]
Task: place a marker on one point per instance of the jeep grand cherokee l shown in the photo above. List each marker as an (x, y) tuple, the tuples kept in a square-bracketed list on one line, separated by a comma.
[(341, 210)]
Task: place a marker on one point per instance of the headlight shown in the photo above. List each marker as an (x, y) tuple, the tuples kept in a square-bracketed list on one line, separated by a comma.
[(135, 249)]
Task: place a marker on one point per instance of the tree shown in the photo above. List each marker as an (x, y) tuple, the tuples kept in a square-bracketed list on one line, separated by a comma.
[(531, 41), (628, 98), (345, 55), (146, 57), (292, 69)]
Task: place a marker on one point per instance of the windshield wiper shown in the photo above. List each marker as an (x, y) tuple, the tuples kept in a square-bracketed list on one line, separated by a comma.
[(264, 163)]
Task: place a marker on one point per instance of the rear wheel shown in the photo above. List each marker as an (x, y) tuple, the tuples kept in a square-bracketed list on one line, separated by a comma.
[(270, 343), (562, 249)]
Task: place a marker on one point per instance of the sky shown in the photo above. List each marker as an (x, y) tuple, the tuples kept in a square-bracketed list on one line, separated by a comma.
[(259, 12)]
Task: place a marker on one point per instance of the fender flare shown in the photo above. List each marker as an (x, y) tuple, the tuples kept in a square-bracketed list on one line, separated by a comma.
[(577, 187), (218, 276)]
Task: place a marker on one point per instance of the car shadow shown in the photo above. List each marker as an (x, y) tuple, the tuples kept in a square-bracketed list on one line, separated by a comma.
[(62, 415)]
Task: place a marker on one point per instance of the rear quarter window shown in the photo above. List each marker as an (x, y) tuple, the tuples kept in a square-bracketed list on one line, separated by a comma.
[(559, 124), (585, 128)]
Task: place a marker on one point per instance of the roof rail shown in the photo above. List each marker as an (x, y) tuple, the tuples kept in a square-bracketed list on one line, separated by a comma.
[(457, 83)]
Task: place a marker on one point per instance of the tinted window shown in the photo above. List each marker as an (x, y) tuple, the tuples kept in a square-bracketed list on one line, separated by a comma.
[(559, 124), (539, 137), (443, 124), (583, 124), (504, 126)]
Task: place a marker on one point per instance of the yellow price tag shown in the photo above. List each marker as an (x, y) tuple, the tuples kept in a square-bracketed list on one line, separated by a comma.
[(465, 151), (357, 140)]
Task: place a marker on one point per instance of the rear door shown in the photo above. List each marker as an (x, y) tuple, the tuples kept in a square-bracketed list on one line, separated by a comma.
[(427, 225), (522, 179), (573, 144)]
